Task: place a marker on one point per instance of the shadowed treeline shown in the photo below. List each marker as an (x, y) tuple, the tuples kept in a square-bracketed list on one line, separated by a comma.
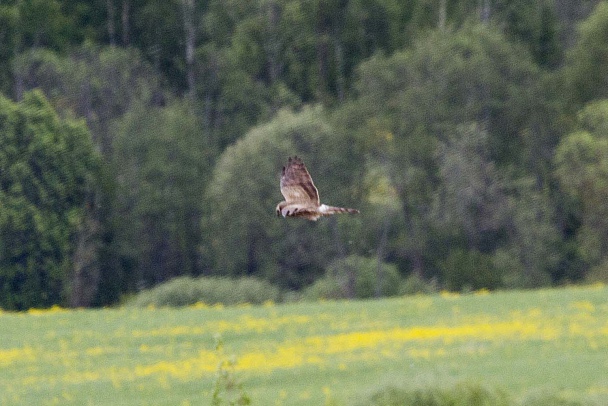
[(143, 140)]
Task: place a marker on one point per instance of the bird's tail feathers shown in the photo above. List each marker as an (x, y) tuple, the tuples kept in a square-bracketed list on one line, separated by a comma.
[(328, 210)]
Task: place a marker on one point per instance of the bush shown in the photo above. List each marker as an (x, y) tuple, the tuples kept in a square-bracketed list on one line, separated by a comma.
[(463, 394), (328, 288), (414, 284), (469, 270), (513, 274), (598, 273), (546, 399), (185, 290), (460, 394), (357, 277)]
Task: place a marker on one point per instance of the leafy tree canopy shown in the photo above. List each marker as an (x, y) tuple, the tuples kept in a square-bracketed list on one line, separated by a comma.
[(245, 235), (48, 171), (582, 170)]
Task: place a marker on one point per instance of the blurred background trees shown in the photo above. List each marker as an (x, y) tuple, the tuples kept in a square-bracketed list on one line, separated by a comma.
[(243, 192), (470, 134)]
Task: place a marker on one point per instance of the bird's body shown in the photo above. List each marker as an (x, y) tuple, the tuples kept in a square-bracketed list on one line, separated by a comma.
[(301, 195)]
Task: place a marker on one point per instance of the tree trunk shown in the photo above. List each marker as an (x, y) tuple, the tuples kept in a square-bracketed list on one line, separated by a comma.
[(380, 255), (341, 81), (190, 41), (484, 11), (273, 44), (111, 26), (322, 44), (351, 276), (19, 86), (417, 234), (418, 265), (85, 280), (442, 15), (126, 8), (322, 60)]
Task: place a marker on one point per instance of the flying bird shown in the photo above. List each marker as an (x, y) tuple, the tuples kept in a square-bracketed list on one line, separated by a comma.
[(301, 195)]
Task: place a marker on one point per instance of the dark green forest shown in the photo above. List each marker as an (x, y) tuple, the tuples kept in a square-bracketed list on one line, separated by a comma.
[(142, 140)]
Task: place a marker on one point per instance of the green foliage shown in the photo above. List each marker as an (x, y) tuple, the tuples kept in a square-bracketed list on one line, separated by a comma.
[(588, 59), (552, 399), (440, 122), (534, 24), (533, 250), (355, 277), (414, 285), (9, 21), (227, 389), (444, 80), (413, 116), (471, 197), (582, 170), (162, 167), (463, 394), (98, 84), (245, 236), (469, 394), (466, 270), (48, 169), (233, 100), (303, 354), (324, 288), (185, 290)]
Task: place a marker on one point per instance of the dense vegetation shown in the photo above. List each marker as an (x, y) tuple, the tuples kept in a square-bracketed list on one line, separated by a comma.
[(471, 134)]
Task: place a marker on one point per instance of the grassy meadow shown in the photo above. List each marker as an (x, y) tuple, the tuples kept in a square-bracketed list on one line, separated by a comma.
[(546, 341)]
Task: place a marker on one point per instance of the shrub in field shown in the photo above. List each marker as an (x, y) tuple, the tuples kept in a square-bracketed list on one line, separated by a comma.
[(465, 394), (227, 388), (324, 288), (465, 270), (414, 284), (462, 394), (185, 290), (545, 399), (355, 277)]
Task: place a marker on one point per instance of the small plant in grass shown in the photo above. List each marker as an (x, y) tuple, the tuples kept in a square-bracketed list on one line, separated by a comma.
[(552, 399), (227, 389), (469, 394)]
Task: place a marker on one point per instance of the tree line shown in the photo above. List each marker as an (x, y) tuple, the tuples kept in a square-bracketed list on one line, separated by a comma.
[(143, 140)]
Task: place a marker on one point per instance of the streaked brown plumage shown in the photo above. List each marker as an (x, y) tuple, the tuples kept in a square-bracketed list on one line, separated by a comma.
[(301, 194)]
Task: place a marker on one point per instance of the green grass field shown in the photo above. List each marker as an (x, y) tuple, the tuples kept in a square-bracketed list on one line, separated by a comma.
[(553, 341)]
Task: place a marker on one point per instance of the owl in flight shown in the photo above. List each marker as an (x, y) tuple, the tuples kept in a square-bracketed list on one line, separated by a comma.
[(301, 195)]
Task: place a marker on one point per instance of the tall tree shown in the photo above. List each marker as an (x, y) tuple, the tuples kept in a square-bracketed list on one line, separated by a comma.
[(471, 196), (533, 24), (99, 84), (48, 170), (570, 14), (157, 32), (162, 166), (410, 102), (582, 170), (587, 61), (532, 249), (9, 17), (188, 15), (244, 234)]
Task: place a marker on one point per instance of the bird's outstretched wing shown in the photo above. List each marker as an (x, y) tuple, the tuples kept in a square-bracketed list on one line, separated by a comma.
[(297, 185), (301, 195)]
